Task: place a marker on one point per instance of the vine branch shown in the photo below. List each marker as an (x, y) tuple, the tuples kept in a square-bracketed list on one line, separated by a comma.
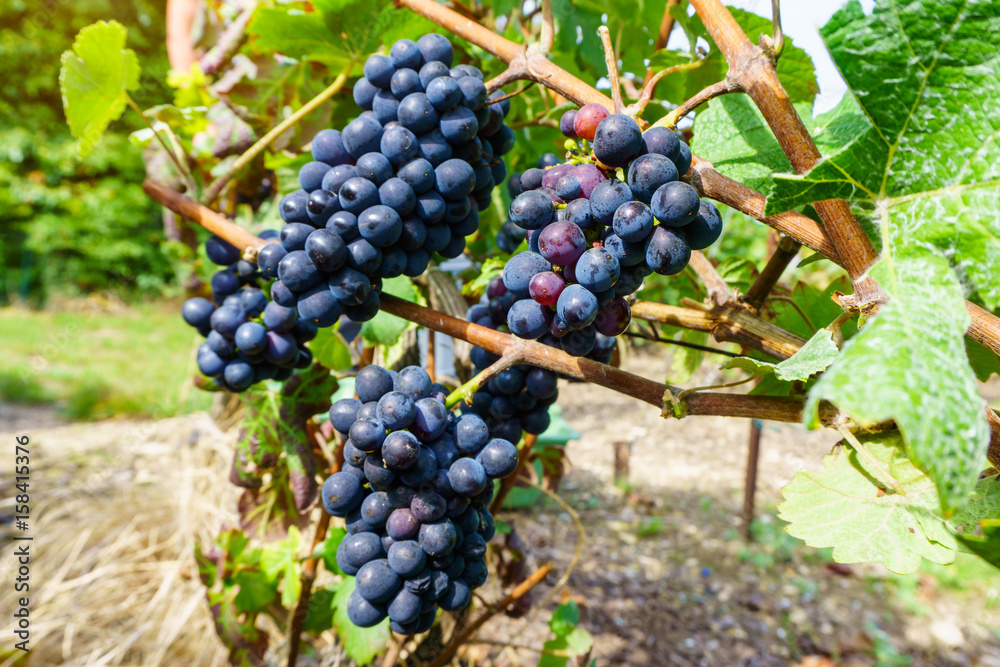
[(718, 89), (468, 631), (786, 251), (612, 63)]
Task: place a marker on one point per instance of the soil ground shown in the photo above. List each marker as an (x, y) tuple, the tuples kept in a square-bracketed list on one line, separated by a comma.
[(664, 577)]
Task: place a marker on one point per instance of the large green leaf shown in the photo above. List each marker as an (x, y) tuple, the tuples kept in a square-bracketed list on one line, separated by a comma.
[(851, 506), (917, 141), (909, 364), (297, 35), (361, 644), (94, 80)]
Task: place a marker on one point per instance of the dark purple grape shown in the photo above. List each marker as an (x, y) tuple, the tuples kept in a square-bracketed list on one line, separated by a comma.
[(633, 222), (613, 318), (597, 270), (606, 198), (577, 306), (618, 140), (675, 204), (546, 287), (706, 227), (647, 173), (566, 124), (562, 243), (662, 141), (667, 253), (519, 270)]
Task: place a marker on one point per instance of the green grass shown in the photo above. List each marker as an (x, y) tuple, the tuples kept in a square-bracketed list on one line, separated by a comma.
[(95, 365)]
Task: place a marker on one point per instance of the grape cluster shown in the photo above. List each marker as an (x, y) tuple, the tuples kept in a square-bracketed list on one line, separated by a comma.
[(415, 490), (404, 180), (593, 238), (517, 400), (247, 337)]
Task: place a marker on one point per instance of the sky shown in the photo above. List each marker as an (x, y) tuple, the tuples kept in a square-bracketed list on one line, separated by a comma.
[(800, 20)]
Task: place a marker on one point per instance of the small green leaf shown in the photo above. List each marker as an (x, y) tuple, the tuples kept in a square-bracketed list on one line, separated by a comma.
[(490, 269), (361, 644), (94, 79), (282, 559), (565, 617), (319, 615), (579, 641), (330, 349), (385, 329), (986, 547), (813, 357), (257, 590), (844, 507)]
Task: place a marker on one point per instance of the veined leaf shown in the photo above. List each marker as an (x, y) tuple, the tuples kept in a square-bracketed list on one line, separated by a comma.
[(850, 506), (909, 364), (94, 80), (917, 139)]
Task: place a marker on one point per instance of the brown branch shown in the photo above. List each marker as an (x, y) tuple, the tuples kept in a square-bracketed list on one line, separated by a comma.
[(510, 481), (468, 631), (993, 453), (751, 68), (710, 183), (727, 324), (718, 291), (760, 289), (611, 61), (649, 88)]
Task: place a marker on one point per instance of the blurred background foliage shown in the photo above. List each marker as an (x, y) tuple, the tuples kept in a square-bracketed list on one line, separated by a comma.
[(71, 226)]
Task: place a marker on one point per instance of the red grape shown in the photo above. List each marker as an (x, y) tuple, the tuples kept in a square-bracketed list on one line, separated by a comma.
[(553, 174), (589, 176), (546, 287), (588, 118), (562, 243)]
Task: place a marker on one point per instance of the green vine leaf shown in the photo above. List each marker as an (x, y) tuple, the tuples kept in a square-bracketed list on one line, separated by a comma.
[(909, 365), (385, 329), (281, 559), (569, 637), (917, 140), (94, 80), (814, 357), (330, 349), (361, 644), (844, 506), (986, 547)]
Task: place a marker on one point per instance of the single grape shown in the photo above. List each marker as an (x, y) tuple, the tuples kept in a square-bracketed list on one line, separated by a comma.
[(531, 210), (617, 140), (675, 204), (597, 270), (667, 253), (364, 92), (706, 227), (292, 208), (662, 141), (454, 179), (376, 582), (647, 173), (546, 287), (336, 177), (362, 135), (419, 175), (589, 177), (566, 124), (433, 46), (341, 493), (529, 319), (404, 82), (606, 198), (401, 449), (531, 179), (577, 306), (498, 458), (683, 159), (633, 222), (613, 318), (458, 125), (588, 118), (357, 195)]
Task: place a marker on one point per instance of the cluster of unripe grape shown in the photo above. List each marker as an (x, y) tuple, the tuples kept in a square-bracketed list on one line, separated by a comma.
[(247, 337), (598, 224), (404, 180), (414, 491)]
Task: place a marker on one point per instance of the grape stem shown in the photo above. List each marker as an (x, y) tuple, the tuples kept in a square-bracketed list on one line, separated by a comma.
[(612, 63), (777, 39), (649, 88), (468, 631), (464, 393), (718, 291), (718, 89)]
